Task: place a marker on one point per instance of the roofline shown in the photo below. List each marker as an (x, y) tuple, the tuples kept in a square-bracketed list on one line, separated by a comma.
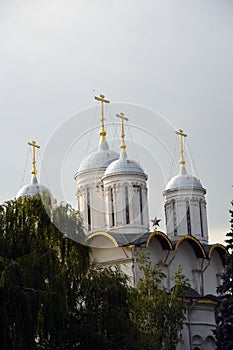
[(161, 234), (195, 240), (221, 249), (102, 233)]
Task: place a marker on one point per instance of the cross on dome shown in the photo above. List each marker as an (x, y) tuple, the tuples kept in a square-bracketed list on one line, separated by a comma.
[(123, 119), (34, 146), (181, 134), (102, 100)]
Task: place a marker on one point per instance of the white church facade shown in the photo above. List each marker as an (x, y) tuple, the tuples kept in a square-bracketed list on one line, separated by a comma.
[(112, 196)]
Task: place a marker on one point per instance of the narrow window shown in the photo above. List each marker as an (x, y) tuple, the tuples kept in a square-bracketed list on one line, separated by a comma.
[(112, 207), (141, 207), (188, 217), (201, 220), (165, 210), (174, 218), (126, 206), (88, 210)]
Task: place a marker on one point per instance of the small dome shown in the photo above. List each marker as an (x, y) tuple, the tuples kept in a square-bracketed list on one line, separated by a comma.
[(32, 189), (123, 165), (183, 180), (99, 159)]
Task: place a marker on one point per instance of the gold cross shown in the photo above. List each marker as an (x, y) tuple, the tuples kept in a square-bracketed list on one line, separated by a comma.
[(123, 118), (181, 134), (102, 100), (34, 146)]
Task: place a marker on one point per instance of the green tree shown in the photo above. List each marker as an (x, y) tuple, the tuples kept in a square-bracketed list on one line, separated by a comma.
[(39, 271), (224, 328), (51, 298), (159, 314), (102, 320)]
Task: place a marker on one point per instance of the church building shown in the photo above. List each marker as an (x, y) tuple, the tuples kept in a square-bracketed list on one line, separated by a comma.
[(112, 196)]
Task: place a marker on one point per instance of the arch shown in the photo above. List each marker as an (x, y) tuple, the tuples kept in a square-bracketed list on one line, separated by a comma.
[(197, 246), (197, 342), (164, 240), (102, 233), (220, 249), (215, 267), (209, 343)]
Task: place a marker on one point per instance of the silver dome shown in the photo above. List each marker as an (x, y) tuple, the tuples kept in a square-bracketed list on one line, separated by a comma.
[(183, 180), (99, 159), (123, 165), (32, 189)]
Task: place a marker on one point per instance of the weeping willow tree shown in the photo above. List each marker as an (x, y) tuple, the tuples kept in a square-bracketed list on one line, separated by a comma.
[(52, 298), (40, 271)]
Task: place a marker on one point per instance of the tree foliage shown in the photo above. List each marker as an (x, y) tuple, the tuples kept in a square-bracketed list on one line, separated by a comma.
[(224, 328), (39, 272), (52, 298), (159, 314)]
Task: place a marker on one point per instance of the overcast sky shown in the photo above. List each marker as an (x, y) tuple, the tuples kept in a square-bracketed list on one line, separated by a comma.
[(168, 64)]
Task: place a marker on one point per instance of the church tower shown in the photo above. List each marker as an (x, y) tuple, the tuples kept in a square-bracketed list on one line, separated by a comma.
[(185, 204), (125, 193), (90, 192)]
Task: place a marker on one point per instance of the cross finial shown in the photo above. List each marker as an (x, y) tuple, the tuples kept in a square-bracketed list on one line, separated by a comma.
[(34, 146), (181, 134), (123, 119), (102, 100)]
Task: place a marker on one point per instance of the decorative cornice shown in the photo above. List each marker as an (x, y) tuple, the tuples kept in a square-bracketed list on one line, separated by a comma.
[(102, 233), (161, 234), (195, 240)]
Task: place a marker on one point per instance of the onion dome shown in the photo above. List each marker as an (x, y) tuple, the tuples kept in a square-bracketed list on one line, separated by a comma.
[(99, 159), (34, 188), (183, 181), (123, 165)]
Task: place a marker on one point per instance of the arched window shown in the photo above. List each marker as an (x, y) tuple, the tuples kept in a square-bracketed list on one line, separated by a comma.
[(188, 218), (126, 205), (174, 218), (209, 343), (201, 218), (88, 210), (141, 206), (112, 207), (165, 211), (197, 343)]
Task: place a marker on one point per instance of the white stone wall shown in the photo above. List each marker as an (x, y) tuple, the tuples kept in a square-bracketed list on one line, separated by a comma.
[(91, 181), (119, 184)]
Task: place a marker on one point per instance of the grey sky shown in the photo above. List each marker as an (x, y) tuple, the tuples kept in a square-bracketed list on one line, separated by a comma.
[(174, 57)]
